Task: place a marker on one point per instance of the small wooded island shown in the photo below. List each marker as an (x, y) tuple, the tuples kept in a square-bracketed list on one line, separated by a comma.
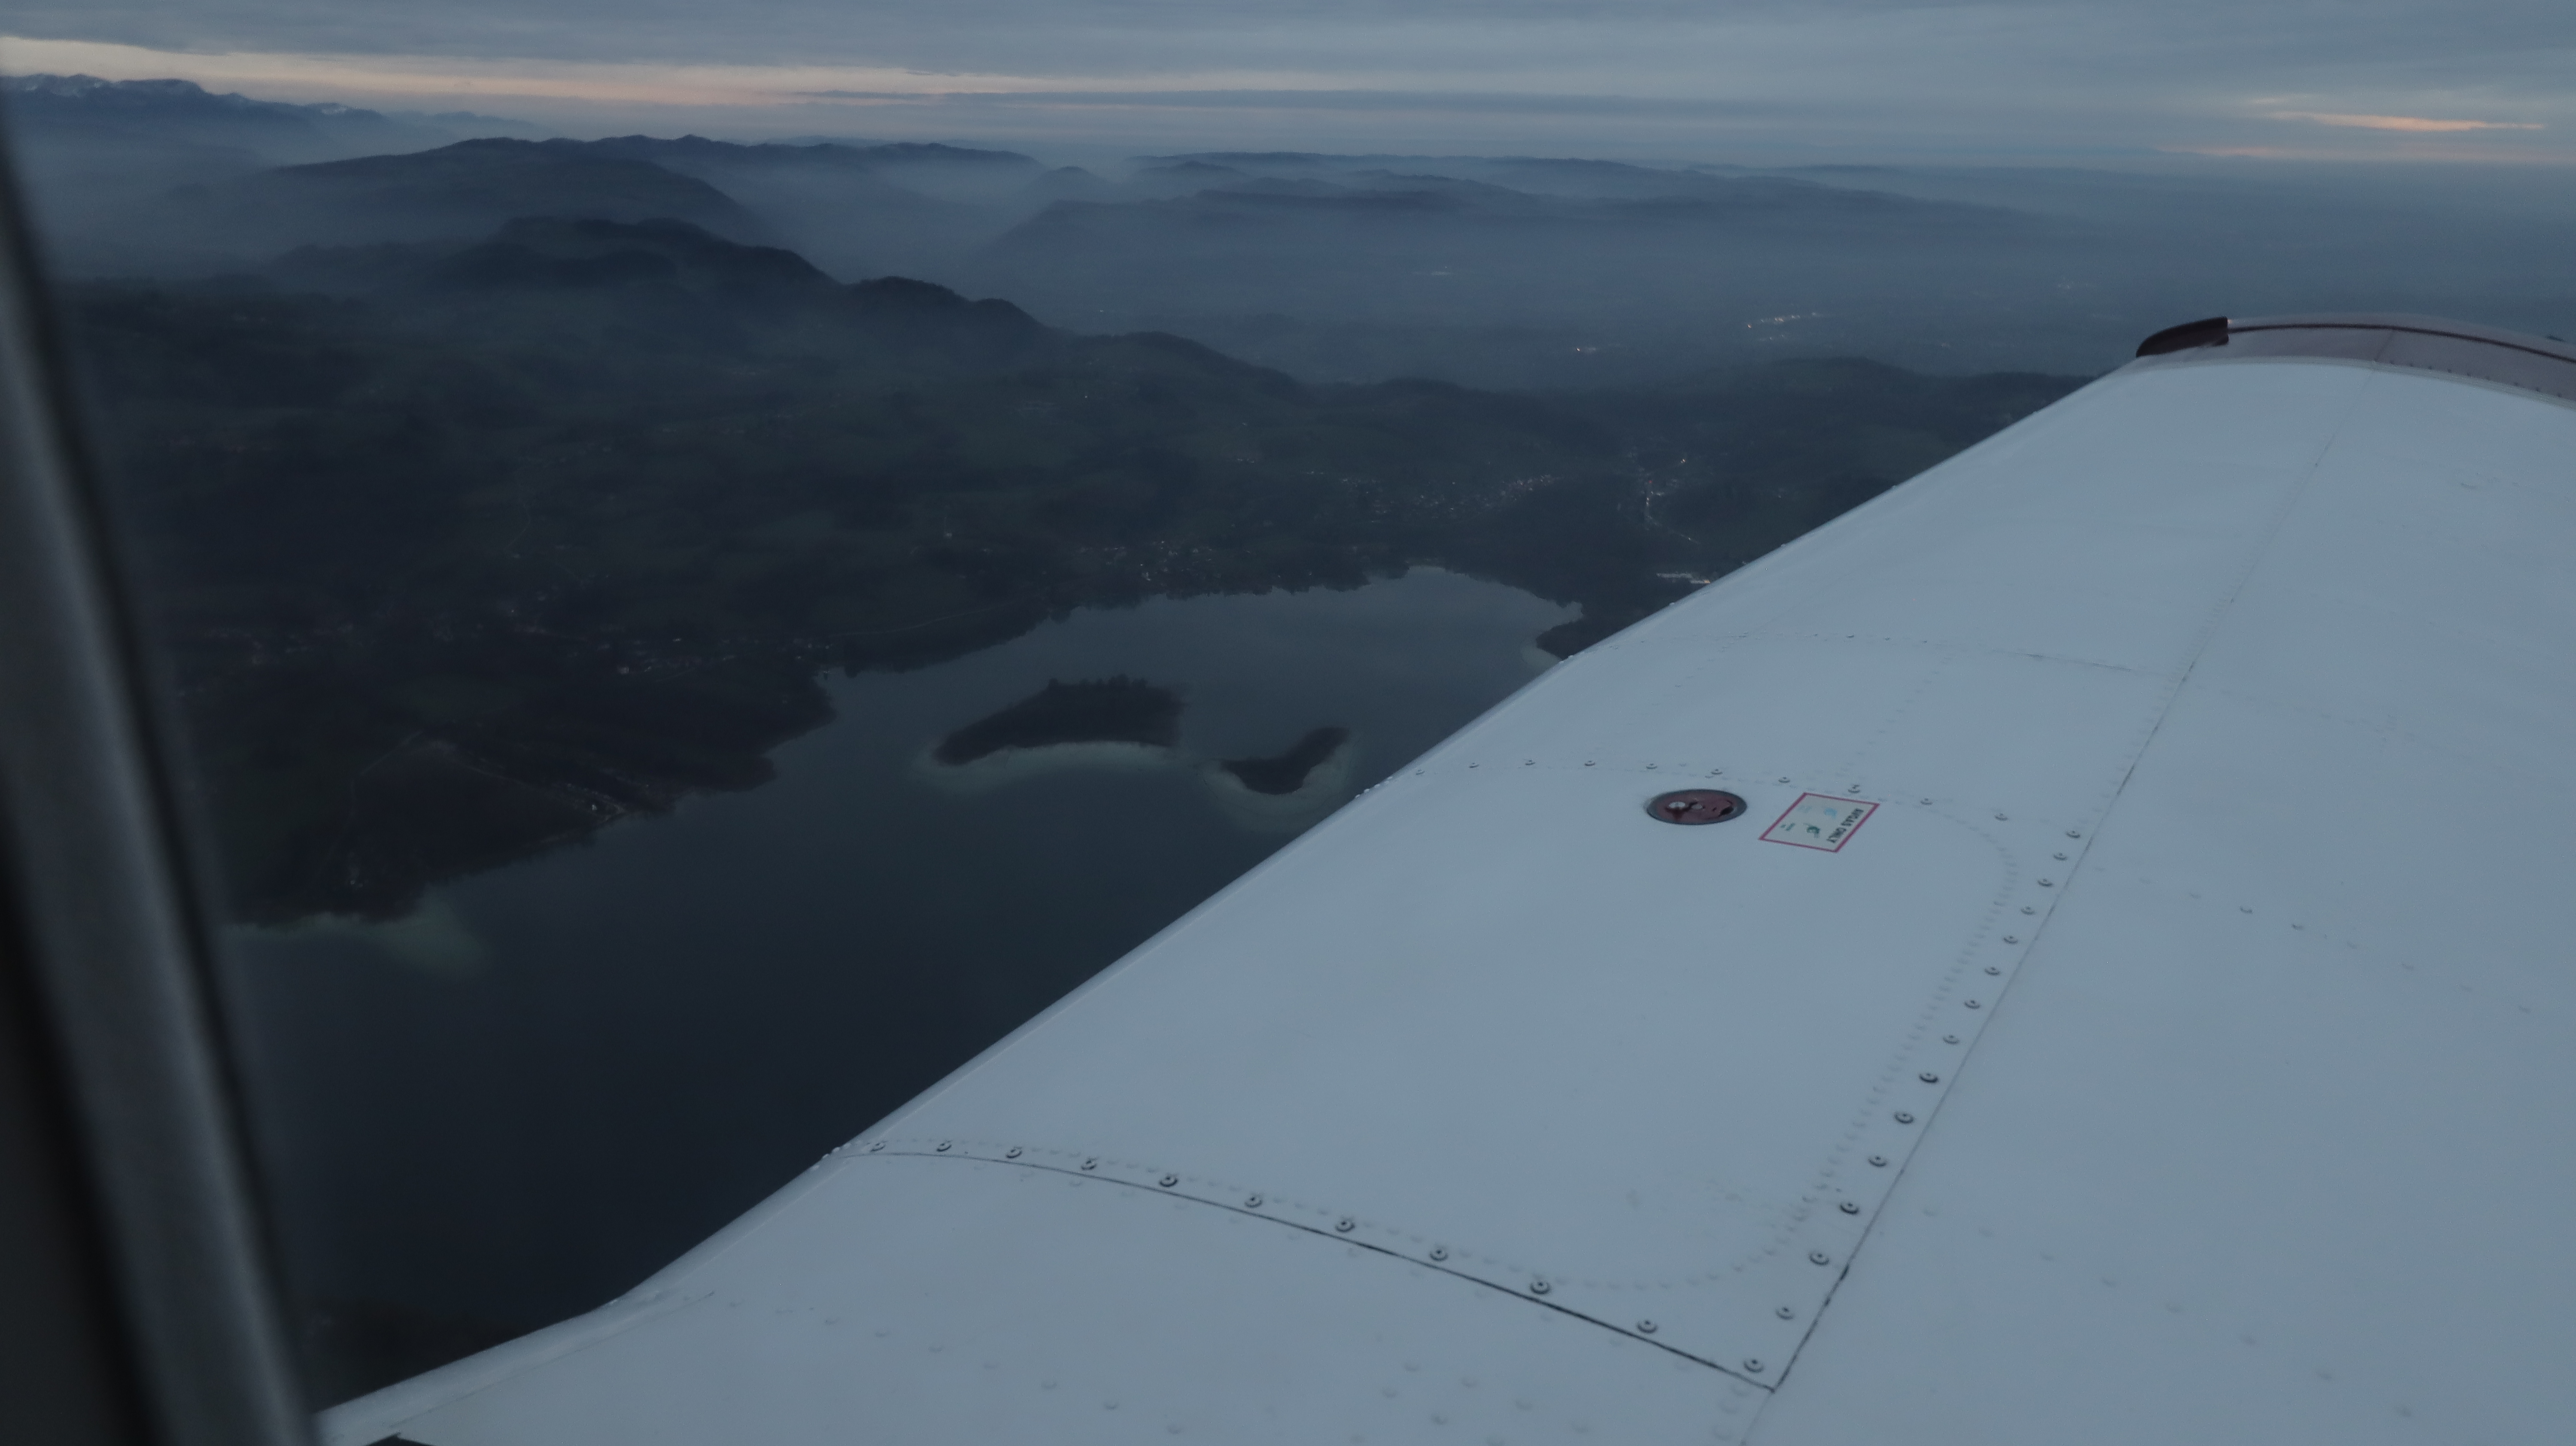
[(1111, 710), (1285, 773)]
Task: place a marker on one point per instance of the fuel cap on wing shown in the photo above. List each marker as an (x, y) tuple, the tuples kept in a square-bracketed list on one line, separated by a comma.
[(1695, 805)]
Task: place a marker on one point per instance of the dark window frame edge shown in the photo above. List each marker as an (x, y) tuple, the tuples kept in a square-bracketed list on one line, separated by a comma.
[(111, 929)]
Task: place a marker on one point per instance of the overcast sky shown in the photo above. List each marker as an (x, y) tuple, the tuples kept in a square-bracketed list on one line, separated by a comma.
[(2088, 80)]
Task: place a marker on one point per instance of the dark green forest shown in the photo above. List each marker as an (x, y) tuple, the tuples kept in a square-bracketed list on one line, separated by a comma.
[(465, 551)]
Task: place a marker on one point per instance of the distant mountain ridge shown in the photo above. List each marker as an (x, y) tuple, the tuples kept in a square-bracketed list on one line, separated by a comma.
[(888, 155), (1509, 271), (1576, 254), (1546, 175), (163, 98), (457, 191), (538, 253), (572, 285), (560, 278), (860, 209), (182, 110)]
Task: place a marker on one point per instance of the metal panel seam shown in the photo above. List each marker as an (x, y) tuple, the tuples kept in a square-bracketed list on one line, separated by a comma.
[(1344, 1231), (2164, 707)]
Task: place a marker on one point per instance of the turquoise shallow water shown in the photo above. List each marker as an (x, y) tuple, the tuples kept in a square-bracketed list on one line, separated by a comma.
[(559, 1075)]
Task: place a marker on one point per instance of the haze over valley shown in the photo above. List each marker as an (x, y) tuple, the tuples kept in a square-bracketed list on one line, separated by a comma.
[(1486, 271)]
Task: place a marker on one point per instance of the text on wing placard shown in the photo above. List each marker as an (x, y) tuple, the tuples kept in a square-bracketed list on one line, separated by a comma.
[(1816, 821)]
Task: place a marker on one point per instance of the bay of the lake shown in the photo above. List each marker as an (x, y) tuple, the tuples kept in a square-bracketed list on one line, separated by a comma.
[(556, 1077)]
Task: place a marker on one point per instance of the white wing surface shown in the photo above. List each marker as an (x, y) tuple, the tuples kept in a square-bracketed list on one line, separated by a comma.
[(2176, 1043)]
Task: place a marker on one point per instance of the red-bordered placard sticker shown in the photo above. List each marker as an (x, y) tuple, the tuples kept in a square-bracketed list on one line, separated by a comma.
[(1817, 821)]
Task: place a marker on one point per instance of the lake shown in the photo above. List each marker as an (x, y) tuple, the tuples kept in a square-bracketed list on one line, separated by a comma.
[(556, 1077)]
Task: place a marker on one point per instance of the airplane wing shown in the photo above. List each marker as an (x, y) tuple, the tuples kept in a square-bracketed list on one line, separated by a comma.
[(2128, 999)]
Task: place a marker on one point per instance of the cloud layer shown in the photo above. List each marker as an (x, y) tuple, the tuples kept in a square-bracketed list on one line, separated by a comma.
[(2357, 77)]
